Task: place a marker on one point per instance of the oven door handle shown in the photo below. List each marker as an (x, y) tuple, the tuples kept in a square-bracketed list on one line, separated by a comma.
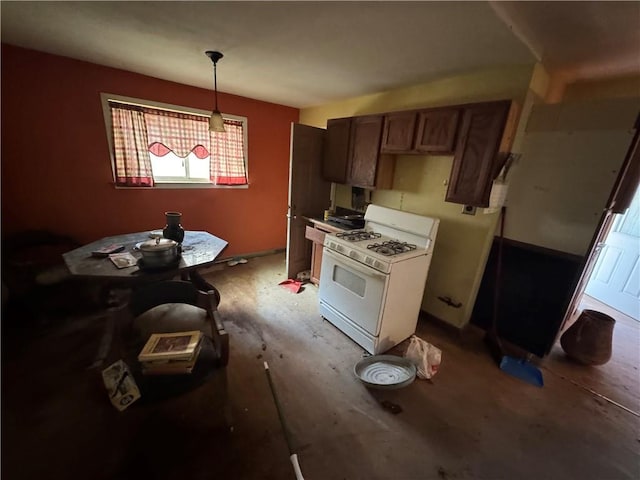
[(369, 271)]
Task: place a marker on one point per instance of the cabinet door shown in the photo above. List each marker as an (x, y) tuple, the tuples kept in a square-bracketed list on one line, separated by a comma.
[(365, 146), (316, 235), (476, 150), (316, 263), (436, 130), (336, 151), (397, 135)]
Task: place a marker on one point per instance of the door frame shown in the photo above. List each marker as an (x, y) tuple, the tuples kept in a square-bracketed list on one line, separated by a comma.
[(619, 200)]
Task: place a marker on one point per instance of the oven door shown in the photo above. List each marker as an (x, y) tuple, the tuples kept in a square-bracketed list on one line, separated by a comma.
[(353, 289)]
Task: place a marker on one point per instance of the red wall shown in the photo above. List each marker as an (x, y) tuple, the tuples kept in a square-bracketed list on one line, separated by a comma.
[(56, 170)]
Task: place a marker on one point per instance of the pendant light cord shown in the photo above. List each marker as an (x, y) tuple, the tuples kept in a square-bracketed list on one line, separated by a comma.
[(216, 121), (215, 83)]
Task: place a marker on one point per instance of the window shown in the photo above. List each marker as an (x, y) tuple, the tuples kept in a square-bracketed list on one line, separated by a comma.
[(165, 145)]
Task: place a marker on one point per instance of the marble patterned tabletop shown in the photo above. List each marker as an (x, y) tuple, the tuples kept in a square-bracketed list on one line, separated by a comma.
[(199, 249)]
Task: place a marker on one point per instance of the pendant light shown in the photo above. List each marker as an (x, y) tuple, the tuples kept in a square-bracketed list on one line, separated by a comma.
[(216, 123)]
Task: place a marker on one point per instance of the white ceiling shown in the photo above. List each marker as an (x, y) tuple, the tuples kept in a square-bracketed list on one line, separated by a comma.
[(308, 53)]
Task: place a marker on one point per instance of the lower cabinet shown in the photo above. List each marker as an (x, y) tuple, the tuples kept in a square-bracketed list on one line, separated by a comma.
[(316, 235)]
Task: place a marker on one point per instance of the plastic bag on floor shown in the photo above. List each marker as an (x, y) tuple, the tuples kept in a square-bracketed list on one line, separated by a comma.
[(425, 356)]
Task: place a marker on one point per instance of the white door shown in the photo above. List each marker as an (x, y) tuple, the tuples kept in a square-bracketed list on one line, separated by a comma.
[(615, 280), (309, 193)]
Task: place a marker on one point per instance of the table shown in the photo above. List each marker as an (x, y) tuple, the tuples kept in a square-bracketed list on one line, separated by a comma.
[(199, 250)]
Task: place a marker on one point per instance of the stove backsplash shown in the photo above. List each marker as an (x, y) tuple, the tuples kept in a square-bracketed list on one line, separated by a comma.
[(351, 219), (360, 198)]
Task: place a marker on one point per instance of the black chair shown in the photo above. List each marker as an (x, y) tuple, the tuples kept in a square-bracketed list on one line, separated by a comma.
[(175, 306)]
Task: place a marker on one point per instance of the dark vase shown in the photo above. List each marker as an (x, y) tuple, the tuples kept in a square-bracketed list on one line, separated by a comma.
[(589, 339), (173, 230)]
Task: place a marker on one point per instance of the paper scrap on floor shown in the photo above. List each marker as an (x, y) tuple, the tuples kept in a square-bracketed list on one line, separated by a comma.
[(120, 385), (235, 261)]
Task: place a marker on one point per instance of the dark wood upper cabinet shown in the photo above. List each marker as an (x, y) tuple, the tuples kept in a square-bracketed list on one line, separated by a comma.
[(398, 132), (352, 153), (361, 151), (420, 131), (436, 131), (474, 163), (366, 133), (336, 151)]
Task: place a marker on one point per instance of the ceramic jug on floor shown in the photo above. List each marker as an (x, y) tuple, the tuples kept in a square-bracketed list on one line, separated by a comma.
[(589, 339)]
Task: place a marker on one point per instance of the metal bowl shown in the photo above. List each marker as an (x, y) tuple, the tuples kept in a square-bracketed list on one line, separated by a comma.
[(159, 252), (385, 371)]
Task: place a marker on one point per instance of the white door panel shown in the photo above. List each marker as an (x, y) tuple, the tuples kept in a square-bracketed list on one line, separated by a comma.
[(615, 280)]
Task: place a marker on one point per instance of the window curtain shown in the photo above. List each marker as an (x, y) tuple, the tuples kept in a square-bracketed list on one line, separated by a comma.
[(139, 130), (227, 166), (175, 132), (132, 162)]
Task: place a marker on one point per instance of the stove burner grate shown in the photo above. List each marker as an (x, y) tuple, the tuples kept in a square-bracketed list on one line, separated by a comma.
[(358, 235), (391, 247)]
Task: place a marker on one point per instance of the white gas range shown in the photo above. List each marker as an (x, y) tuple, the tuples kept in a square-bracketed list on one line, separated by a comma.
[(373, 279)]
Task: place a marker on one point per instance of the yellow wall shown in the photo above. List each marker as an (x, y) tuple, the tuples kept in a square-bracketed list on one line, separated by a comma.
[(563, 87), (627, 87), (463, 241), (485, 85), (571, 156)]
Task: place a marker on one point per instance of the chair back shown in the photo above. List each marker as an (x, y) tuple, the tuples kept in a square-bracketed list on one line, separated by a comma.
[(152, 295)]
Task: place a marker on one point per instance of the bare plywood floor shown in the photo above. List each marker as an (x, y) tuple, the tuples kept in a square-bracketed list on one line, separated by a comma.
[(619, 378), (472, 422)]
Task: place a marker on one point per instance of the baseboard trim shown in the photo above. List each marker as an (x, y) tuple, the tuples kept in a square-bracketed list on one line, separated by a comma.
[(438, 321), (465, 333), (220, 262), (262, 253)]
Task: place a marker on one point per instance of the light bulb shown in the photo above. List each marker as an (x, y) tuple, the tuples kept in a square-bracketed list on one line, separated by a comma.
[(216, 123)]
